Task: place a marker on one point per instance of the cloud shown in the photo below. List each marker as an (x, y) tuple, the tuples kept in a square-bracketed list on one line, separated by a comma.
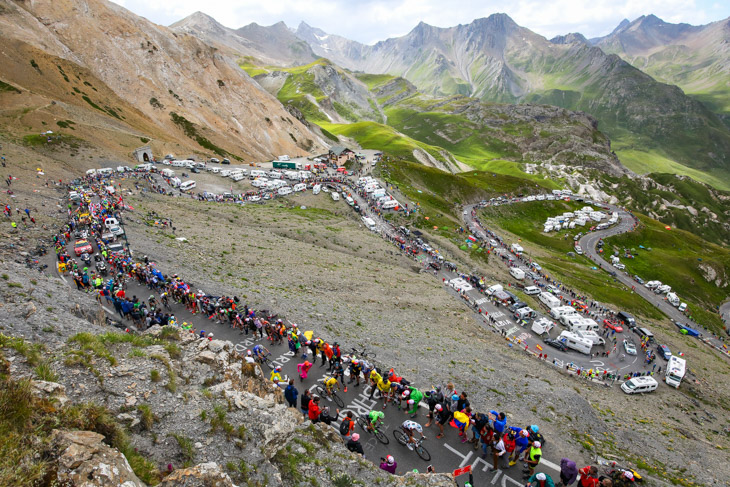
[(372, 20)]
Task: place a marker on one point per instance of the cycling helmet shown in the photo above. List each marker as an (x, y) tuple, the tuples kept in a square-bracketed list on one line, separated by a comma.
[(534, 428), (248, 352), (308, 342), (537, 444), (438, 407), (406, 393), (390, 459), (524, 433), (277, 369), (152, 296), (455, 397), (355, 437), (629, 475), (411, 402)]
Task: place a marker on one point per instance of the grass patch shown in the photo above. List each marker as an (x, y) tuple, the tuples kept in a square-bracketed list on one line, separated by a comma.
[(8, 88), (44, 371), (191, 131), (187, 450)]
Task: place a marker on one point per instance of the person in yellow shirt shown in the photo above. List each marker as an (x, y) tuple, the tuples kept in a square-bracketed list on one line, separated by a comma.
[(384, 387), (276, 374)]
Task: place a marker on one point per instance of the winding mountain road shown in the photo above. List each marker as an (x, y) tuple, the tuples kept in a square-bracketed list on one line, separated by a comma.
[(627, 222)]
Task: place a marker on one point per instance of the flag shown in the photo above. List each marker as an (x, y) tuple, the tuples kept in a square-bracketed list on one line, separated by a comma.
[(538, 347)]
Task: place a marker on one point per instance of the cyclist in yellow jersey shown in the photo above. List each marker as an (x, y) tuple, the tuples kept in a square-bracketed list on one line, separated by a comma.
[(330, 383)]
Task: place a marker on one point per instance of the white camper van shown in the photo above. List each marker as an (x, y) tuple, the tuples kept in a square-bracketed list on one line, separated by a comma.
[(675, 370), (299, 187), (639, 385), (549, 300), (571, 340), (517, 273), (316, 188), (560, 311), (187, 185), (257, 173), (517, 249)]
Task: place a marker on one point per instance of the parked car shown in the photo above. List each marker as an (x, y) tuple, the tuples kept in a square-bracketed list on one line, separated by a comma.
[(664, 352), (225, 161), (638, 279), (435, 265), (556, 344), (613, 326), (629, 347)]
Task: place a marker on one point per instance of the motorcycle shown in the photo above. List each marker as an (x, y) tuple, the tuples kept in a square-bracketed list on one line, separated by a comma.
[(100, 267), (85, 258)]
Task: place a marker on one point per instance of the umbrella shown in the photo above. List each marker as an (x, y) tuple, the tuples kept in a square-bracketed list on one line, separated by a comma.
[(309, 334)]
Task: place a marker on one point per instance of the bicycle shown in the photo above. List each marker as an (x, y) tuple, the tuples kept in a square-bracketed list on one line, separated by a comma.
[(417, 447), (610, 467), (362, 353), (363, 421), (322, 392), (265, 359)]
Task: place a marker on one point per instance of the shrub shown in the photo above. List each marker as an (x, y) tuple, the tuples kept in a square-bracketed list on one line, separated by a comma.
[(155, 375)]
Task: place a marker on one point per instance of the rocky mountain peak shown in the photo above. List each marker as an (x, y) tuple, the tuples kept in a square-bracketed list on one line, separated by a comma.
[(572, 38)]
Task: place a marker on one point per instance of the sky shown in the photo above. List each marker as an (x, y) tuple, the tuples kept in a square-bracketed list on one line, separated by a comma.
[(369, 21)]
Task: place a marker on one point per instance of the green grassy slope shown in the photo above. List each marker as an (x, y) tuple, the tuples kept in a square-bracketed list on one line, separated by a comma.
[(525, 221), (677, 258), (647, 198)]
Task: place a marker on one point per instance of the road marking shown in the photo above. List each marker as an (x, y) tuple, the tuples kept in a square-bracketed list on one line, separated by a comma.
[(497, 314), (496, 476), (481, 301), (107, 310), (512, 330)]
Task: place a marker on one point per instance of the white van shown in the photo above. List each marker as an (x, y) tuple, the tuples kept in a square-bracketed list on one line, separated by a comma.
[(111, 222), (305, 175), (106, 171), (590, 335), (335, 196), (91, 172), (525, 313), (316, 189), (168, 173), (493, 289), (300, 187), (517, 273), (389, 205), (293, 175), (284, 158), (560, 311), (260, 183), (531, 290), (578, 323), (225, 173), (639, 385), (178, 164), (549, 300), (349, 200), (187, 185), (285, 190), (517, 249), (257, 173), (237, 177), (215, 170), (275, 175), (369, 223), (573, 341)]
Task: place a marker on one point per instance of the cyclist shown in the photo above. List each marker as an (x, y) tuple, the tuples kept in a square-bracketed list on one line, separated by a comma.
[(329, 385), (165, 301), (408, 427), (152, 302), (375, 417), (259, 352), (623, 478)]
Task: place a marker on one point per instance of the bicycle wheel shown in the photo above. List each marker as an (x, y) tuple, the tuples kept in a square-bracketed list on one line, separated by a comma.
[(362, 423), (423, 453), (320, 391), (401, 437), (268, 363), (382, 438), (338, 400)]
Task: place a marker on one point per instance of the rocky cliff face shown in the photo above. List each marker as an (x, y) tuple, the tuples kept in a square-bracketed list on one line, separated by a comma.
[(159, 72)]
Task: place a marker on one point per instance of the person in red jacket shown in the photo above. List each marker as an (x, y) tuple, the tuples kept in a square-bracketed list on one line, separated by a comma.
[(588, 476), (314, 410), (509, 443)]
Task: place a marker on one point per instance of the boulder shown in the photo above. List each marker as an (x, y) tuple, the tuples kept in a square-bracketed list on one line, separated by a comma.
[(216, 345), (50, 390), (203, 475), (84, 460), (206, 356)]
